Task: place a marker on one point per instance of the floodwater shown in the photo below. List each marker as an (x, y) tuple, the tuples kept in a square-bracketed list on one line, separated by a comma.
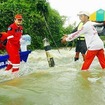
[(64, 84)]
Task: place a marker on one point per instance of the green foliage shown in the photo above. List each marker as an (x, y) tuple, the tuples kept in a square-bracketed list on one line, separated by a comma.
[(36, 14), (102, 37)]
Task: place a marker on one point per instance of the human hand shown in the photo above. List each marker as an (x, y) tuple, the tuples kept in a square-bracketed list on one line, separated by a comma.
[(63, 39)]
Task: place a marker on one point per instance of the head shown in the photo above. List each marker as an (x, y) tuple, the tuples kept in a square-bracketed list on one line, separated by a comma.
[(18, 19), (83, 16)]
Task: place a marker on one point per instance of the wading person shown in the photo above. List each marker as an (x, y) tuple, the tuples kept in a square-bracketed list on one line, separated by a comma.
[(95, 46), (14, 32), (80, 44)]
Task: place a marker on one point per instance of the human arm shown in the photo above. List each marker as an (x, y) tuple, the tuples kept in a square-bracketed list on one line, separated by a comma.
[(70, 37), (10, 32), (84, 30)]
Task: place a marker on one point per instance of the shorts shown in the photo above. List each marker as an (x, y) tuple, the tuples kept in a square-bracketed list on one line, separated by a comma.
[(81, 46)]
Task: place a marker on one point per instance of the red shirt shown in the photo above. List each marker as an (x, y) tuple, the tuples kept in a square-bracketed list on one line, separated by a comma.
[(15, 32)]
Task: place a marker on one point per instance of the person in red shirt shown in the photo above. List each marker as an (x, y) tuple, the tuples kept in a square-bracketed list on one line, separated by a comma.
[(3, 40), (14, 32)]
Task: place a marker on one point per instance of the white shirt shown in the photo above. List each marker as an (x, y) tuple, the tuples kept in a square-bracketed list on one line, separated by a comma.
[(92, 38)]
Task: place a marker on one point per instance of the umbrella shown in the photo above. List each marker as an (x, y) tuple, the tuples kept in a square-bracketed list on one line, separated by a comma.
[(98, 16)]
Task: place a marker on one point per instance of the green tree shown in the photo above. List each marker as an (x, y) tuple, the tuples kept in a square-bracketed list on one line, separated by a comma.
[(34, 21)]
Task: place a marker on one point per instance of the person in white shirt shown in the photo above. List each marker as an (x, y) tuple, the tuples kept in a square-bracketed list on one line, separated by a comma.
[(95, 46)]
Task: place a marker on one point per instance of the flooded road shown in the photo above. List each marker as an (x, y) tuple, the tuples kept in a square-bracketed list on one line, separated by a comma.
[(64, 84)]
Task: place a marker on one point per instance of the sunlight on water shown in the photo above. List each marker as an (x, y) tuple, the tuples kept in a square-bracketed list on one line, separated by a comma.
[(64, 84)]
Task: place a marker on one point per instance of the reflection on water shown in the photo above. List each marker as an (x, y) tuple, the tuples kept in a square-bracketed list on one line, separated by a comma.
[(64, 84)]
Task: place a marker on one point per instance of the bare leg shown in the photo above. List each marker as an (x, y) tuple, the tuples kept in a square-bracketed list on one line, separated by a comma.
[(83, 55), (76, 56)]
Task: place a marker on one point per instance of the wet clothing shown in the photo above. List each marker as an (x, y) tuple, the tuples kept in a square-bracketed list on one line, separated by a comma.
[(93, 42), (13, 44), (90, 56)]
